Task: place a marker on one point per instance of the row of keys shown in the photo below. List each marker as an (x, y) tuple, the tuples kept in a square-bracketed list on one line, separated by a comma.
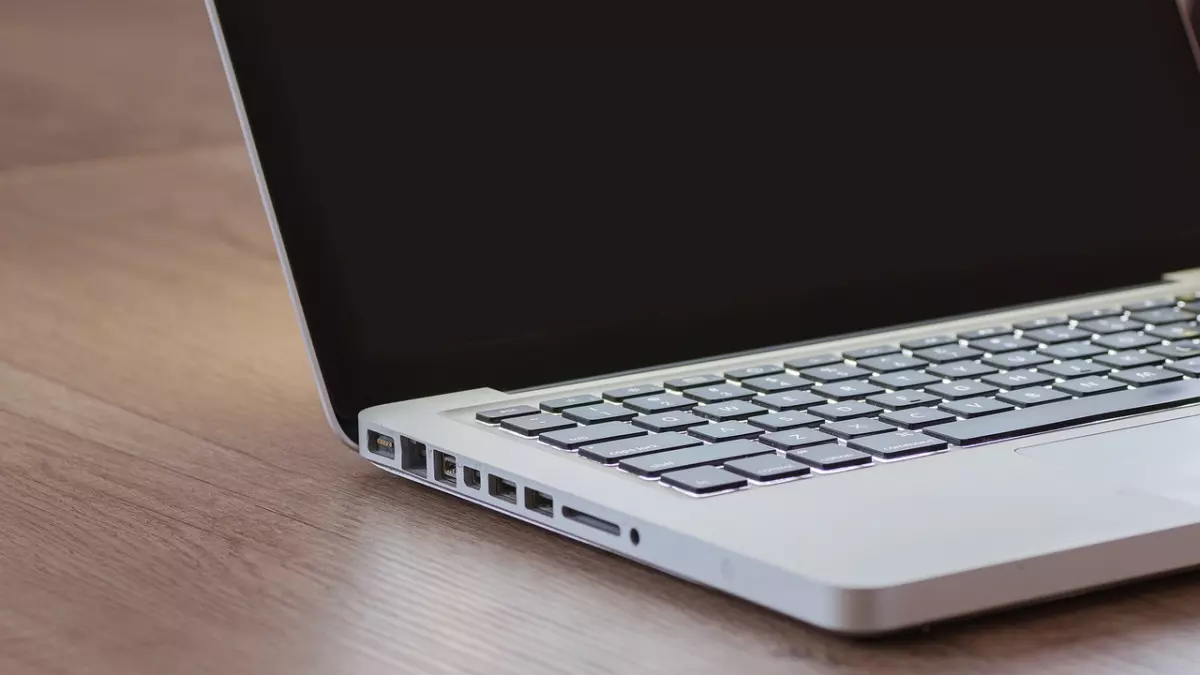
[(827, 407), (667, 455), (958, 398)]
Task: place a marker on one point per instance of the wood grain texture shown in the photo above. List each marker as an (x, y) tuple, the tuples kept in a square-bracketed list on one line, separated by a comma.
[(171, 500)]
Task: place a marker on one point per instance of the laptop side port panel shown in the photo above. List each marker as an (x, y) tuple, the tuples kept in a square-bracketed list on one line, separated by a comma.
[(478, 482)]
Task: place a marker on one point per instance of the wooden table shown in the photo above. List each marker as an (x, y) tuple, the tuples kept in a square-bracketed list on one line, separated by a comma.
[(171, 500)]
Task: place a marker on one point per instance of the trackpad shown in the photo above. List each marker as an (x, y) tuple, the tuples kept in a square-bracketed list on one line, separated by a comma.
[(1161, 458)]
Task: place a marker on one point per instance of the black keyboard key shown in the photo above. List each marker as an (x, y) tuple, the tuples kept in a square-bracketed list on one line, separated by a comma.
[(975, 407), (1073, 350), (927, 342), (947, 353), (870, 352), (797, 438), (891, 363), (1181, 349), (1193, 307), (595, 414), (856, 428), (1044, 322), (533, 425), (1068, 413), (1089, 386), (846, 410), (830, 457), (1176, 331), (1110, 326), (1017, 360), (495, 416), (623, 393), (835, 373), (789, 400), (659, 403), (1161, 317), (961, 389), (1019, 379), (1030, 397), (774, 383), (752, 371), (1129, 359), (1126, 341), (905, 379), (1003, 343), (704, 480), (1070, 369), (1140, 377), (614, 451), (669, 421), (917, 418), (1154, 303), (785, 420), (691, 381), (805, 362), (725, 431), (597, 433), (1057, 335), (898, 444), (1187, 367), (719, 392), (962, 370), (555, 405), (767, 468), (978, 333), (1090, 314), (844, 391), (729, 411), (901, 400), (659, 463)]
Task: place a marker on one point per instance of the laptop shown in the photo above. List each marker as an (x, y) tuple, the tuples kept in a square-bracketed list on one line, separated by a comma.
[(871, 334)]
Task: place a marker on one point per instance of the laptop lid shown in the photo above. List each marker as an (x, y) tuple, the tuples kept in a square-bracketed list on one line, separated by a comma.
[(456, 218)]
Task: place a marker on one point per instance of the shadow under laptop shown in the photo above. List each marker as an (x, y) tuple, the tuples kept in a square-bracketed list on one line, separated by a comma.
[(532, 582)]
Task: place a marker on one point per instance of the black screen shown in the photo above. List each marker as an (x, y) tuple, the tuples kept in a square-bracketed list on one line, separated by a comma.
[(500, 217)]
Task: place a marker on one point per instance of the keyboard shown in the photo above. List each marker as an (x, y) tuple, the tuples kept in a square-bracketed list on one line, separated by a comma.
[(768, 423)]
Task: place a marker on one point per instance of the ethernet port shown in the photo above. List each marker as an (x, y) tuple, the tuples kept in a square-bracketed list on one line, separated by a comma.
[(540, 502), (413, 457), (471, 477), (445, 468), (503, 489)]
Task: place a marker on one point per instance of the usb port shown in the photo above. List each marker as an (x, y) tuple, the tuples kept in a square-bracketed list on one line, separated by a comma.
[(413, 457), (445, 468), (381, 445), (503, 489), (540, 502), (471, 477)]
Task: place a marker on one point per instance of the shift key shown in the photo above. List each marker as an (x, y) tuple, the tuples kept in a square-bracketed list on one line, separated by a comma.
[(613, 451), (569, 439), (653, 466)]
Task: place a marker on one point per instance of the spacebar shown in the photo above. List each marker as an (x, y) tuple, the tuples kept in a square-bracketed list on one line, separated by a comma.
[(1067, 413)]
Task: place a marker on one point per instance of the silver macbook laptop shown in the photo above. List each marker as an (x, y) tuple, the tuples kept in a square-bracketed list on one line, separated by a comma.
[(871, 334)]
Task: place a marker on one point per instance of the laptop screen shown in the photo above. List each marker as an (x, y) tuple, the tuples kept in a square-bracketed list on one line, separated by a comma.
[(509, 218)]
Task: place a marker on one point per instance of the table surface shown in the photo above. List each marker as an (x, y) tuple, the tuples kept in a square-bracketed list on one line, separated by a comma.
[(172, 501)]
